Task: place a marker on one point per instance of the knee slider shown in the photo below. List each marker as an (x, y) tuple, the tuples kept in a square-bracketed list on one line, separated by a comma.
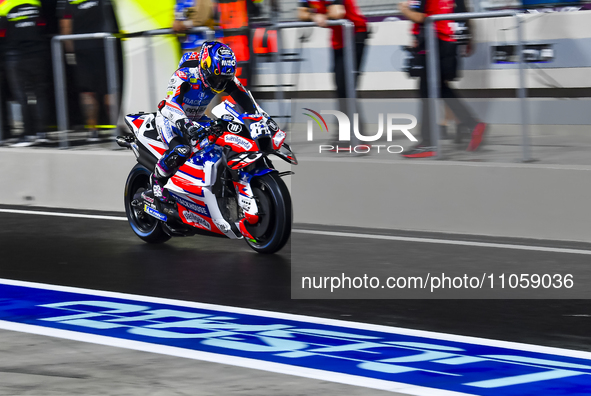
[(177, 156)]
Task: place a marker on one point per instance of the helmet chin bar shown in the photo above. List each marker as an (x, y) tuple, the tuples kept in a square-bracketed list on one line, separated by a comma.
[(203, 81), (217, 83)]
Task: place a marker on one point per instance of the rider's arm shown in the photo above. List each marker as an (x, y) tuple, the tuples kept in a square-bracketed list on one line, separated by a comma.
[(172, 108), (237, 91)]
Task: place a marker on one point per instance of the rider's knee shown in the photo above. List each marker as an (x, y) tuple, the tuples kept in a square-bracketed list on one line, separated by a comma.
[(175, 157)]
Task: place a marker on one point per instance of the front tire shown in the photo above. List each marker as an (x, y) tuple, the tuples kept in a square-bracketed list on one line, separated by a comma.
[(273, 229), (145, 226)]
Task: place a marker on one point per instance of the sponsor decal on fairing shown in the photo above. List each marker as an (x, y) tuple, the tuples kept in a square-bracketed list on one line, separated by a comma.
[(272, 125), (239, 141), (234, 127), (232, 111), (191, 205), (278, 139), (196, 219), (154, 213), (222, 225), (258, 128)]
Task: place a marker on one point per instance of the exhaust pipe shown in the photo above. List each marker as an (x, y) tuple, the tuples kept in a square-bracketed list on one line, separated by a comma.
[(122, 142), (128, 142)]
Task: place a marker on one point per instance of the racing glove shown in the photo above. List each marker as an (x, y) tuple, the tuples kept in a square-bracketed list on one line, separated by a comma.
[(216, 128), (191, 130)]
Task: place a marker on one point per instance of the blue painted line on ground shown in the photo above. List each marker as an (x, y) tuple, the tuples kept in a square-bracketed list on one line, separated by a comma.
[(411, 361)]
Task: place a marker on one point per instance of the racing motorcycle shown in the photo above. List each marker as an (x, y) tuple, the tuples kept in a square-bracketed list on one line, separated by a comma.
[(227, 188)]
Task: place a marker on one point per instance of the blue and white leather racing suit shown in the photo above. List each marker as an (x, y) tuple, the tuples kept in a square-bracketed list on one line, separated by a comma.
[(187, 98)]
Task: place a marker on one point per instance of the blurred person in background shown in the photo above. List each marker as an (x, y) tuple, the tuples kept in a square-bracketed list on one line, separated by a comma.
[(462, 34), (26, 51), (417, 11), (234, 21), (4, 124), (189, 14), (4, 96), (88, 16), (319, 11)]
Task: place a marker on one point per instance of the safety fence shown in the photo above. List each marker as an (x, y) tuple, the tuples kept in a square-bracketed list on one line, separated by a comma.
[(59, 75), (113, 78), (432, 64), (279, 91)]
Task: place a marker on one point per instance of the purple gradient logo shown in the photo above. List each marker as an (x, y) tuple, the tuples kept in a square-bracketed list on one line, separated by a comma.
[(344, 133)]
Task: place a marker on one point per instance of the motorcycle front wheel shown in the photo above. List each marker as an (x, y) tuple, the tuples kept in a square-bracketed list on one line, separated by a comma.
[(273, 229), (145, 226)]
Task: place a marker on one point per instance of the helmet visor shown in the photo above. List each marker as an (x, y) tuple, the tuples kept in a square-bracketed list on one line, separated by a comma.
[(218, 83)]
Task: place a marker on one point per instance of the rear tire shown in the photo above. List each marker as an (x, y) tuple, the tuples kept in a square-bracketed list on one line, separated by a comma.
[(148, 228), (273, 229)]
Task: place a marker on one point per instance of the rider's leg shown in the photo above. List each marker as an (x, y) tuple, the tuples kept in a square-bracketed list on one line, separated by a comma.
[(177, 154)]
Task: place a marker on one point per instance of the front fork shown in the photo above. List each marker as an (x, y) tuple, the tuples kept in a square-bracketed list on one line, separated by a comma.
[(247, 203)]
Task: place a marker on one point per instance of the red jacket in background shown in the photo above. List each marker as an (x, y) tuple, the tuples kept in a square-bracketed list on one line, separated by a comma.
[(352, 13)]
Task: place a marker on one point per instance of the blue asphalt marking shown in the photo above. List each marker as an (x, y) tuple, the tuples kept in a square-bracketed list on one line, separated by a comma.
[(412, 361)]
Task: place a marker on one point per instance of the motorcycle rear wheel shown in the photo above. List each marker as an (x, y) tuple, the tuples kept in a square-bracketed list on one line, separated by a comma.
[(148, 228), (273, 229)]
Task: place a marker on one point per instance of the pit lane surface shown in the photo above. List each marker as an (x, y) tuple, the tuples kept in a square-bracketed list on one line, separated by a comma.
[(105, 255)]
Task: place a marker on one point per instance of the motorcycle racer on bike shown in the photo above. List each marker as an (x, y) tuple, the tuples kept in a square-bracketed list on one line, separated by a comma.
[(180, 118)]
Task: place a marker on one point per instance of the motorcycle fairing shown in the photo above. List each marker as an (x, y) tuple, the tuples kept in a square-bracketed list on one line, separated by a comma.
[(194, 180), (226, 111), (144, 128), (246, 199)]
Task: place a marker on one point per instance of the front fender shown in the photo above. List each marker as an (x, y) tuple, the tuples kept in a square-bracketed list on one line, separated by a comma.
[(262, 171)]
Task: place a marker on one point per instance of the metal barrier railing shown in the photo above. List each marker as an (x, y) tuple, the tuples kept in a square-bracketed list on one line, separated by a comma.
[(113, 82), (348, 54), (2, 117), (112, 77), (348, 45), (348, 48), (433, 73), (59, 75), (382, 13)]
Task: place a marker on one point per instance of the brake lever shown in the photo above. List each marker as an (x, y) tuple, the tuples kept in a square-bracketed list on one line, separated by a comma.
[(217, 128)]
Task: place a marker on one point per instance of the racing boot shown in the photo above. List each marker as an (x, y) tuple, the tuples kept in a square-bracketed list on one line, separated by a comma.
[(158, 181)]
